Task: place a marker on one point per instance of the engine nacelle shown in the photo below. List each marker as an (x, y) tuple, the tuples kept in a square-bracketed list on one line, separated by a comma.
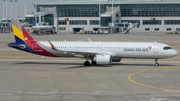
[(103, 59), (116, 59)]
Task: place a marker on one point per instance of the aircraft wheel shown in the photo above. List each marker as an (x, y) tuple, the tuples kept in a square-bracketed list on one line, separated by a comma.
[(93, 62), (86, 63), (47, 33), (157, 64), (37, 33)]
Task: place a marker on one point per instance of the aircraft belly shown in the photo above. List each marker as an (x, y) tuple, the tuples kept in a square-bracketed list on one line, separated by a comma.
[(61, 54), (65, 55)]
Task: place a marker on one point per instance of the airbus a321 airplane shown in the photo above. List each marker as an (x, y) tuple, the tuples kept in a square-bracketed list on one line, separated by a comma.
[(101, 53)]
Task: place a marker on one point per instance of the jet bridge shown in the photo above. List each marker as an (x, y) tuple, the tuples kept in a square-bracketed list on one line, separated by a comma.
[(46, 16), (111, 21), (123, 27)]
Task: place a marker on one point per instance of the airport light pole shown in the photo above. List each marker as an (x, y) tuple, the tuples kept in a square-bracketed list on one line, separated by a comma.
[(16, 8), (3, 9), (3, 13), (11, 8), (6, 10), (112, 19), (99, 16), (35, 13), (6, 16), (25, 8), (11, 14), (25, 11)]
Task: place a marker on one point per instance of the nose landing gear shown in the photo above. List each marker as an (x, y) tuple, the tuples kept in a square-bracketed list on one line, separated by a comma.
[(156, 64)]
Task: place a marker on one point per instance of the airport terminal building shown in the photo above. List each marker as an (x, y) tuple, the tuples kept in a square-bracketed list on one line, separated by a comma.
[(149, 15)]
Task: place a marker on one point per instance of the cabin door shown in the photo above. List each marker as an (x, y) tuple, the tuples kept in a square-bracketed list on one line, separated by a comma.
[(156, 48)]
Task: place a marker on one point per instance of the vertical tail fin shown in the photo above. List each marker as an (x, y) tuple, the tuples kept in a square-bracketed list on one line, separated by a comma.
[(20, 34), (25, 42)]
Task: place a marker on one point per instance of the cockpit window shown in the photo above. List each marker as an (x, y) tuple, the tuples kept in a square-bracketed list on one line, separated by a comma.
[(167, 47)]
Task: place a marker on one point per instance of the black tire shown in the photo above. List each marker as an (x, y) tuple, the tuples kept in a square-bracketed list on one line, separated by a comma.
[(86, 63), (36, 33), (157, 64)]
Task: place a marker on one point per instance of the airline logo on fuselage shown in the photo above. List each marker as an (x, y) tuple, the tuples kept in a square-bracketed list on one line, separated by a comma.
[(150, 47), (138, 49)]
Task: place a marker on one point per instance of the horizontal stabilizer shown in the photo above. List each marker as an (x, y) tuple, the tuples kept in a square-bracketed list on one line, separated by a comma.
[(21, 46)]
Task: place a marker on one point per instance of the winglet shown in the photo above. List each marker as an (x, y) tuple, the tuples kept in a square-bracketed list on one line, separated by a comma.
[(52, 46), (89, 40)]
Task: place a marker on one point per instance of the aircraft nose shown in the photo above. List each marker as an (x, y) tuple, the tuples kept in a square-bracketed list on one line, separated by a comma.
[(174, 53)]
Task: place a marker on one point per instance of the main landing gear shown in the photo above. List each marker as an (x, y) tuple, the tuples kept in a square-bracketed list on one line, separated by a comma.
[(87, 63), (88, 58), (93, 62), (156, 64)]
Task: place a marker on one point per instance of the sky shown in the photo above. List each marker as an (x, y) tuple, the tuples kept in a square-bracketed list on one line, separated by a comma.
[(21, 7)]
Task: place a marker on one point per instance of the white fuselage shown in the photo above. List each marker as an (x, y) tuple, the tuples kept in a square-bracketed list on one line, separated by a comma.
[(146, 50)]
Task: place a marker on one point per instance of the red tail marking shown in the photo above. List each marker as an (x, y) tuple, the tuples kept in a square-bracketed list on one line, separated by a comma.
[(28, 39)]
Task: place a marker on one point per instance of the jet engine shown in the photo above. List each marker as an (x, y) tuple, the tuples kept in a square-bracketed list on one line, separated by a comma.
[(102, 59)]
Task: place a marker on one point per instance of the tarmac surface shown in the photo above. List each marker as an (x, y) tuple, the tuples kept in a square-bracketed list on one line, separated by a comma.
[(28, 77)]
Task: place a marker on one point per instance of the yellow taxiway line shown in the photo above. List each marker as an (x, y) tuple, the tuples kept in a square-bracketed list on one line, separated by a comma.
[(129, 77)]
